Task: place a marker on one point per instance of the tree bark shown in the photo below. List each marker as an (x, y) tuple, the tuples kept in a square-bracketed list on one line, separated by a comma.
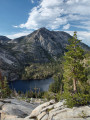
[(74, 85)]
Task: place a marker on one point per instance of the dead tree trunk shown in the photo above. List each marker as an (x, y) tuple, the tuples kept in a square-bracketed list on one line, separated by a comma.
[(74, 85)]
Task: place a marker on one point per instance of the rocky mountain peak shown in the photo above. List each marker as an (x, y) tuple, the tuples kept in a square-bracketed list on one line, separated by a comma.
[(43, 29), (4, 39)]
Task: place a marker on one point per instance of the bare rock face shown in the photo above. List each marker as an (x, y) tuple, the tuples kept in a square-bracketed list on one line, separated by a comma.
[(66, 113), (36, 112), (60, 112), (13, 109), (9, 65), (43, 44)]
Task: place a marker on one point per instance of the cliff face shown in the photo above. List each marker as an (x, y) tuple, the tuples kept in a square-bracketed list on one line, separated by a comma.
[(38, 47), (41, 45), (9, 65)]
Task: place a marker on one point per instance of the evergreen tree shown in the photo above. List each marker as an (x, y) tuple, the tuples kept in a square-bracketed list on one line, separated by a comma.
[(74, 70), (4, 87), (76, 89), (6, 90), (56, 86), (1, 85)]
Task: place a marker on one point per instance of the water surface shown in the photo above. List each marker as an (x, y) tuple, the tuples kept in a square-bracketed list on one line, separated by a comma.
[(25, 85)]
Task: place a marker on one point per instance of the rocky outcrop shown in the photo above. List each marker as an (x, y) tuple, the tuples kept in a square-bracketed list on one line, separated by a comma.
[(57, 111), (9, 65), (13, 109), (36, 112)]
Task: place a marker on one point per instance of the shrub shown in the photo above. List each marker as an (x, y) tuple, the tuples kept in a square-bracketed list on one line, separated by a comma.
[(77, 99), (49, 95), (57, 85)]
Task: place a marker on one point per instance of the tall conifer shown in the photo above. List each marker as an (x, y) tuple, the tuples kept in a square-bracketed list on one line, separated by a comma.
[(74, 70)]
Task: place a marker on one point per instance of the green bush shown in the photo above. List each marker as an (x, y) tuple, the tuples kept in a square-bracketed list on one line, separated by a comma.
[(57, 85), (49, 95), (78, 99), (31, 94)]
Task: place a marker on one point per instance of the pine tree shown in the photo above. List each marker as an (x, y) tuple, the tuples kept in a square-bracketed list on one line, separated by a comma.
[(76, 89), (6, 88), (74, 70), (1, 85), (56, 86)]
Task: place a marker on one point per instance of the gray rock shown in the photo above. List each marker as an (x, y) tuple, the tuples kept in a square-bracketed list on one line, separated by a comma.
[(45, 117), (73, 119), (1, 104), (28, 118), (16, 109), (59, 104), (77, 112), (50, 107), (40, 116), (38, 110), (56, 112)]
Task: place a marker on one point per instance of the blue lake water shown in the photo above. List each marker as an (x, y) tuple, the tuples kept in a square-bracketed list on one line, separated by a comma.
[(25, 85)]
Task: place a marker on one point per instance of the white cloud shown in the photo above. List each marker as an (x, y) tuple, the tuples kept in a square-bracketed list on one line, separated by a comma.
[(87, 27), (54, 13), (66, 26), (50, 3), (46, 14), (85, 37), (83, 25), (16, 35), (82, 35), (15, 26)]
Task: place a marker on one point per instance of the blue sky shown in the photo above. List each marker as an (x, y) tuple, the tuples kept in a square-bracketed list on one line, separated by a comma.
[(21, 17)]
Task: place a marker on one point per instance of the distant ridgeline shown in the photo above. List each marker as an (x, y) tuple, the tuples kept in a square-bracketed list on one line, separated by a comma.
[(41, 50)]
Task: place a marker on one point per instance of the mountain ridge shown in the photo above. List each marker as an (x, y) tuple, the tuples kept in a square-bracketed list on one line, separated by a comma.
[(41, 46)]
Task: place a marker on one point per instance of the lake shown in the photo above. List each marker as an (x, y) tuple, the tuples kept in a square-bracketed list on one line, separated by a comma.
[(25, 85)]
